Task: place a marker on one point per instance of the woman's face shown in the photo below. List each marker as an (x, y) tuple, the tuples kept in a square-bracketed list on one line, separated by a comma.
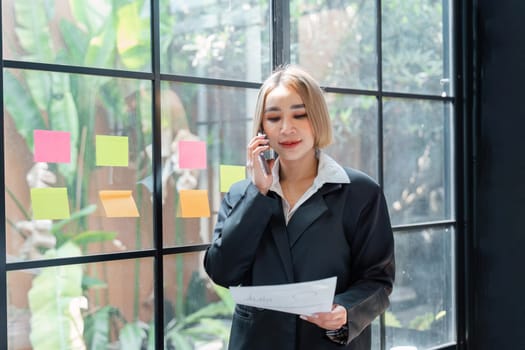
[(287, 125)]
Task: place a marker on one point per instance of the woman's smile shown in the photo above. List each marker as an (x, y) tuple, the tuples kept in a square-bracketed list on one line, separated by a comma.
[(289, 144)]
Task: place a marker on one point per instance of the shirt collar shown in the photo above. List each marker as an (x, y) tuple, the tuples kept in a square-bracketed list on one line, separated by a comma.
[(328, 171)]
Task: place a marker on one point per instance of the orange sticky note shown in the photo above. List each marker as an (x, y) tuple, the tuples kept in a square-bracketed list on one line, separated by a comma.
[(49, 203), (230, 174), (118, 204), (194, 204)]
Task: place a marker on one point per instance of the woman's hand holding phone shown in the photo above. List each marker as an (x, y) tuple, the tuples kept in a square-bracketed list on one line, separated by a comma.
[(257, 165)]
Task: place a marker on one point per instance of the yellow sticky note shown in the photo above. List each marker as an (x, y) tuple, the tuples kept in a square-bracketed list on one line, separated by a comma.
[(194, 204), (111, 150), (118, 204), (50, 203), (230, 174)]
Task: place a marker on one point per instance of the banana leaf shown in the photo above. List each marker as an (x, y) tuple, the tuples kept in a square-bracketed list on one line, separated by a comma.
[(209, 328), (22, 108), (91, 283), (84, 238), (132, 37), (76, 42), (75, 216), (32, 30), (56, 324), (90, 15), (63, 115), (131, 336), (97, 328)]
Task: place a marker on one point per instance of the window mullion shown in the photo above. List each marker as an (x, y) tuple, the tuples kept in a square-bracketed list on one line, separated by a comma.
[(280, 32), (380, 158), (3, 247), (158, 282)]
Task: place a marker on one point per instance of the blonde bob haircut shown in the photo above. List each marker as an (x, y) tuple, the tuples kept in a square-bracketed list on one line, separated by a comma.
[(308, 89)]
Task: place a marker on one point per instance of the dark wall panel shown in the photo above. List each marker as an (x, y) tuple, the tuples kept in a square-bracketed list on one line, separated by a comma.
[(499, 225)]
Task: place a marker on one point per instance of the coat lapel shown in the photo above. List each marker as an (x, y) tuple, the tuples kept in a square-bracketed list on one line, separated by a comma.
[(308, 212), (286, 236)]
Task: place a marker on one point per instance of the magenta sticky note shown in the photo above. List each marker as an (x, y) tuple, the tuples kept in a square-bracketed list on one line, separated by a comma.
[(192, 154), (52, 146)]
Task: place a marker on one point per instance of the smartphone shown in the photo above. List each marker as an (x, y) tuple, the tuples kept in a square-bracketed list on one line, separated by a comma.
[(264, 156)]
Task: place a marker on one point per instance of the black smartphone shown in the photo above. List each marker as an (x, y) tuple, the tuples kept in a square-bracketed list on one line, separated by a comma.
[(264, 156)]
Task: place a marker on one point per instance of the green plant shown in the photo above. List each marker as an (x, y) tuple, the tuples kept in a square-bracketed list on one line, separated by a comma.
[(426, 321), (391, 320), (58, 101), (56, 297), (54, 301), (95, 37), (207, 323)]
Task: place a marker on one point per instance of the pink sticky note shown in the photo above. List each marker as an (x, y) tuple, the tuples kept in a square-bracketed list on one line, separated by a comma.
[(52, 146), (192, 155)]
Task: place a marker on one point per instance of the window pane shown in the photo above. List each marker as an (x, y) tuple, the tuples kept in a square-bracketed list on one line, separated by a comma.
[(335, 41), (216, 39), (416, 46), (417, 141), (354, 122), (66, 178), (376, 334), (79, 306), (422, 311), (92, 33), (197, 313), (218, 117)]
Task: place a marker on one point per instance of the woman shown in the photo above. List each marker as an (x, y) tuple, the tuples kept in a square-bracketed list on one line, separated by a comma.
[(308, 219)]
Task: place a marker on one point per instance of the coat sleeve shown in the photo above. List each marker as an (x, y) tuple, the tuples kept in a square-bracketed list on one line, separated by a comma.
[(373, 265), (243, 216)]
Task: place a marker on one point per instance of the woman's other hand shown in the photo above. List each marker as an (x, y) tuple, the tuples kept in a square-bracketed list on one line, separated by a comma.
[(332, 320)]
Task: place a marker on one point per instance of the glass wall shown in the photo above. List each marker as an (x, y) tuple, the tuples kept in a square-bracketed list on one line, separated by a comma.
[(79, 307), (125, 122)]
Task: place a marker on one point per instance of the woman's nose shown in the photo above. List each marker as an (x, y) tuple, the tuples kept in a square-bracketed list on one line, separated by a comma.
[(287, 126)]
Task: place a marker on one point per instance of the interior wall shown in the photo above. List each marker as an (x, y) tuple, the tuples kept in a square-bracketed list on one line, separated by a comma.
[(498, 288)]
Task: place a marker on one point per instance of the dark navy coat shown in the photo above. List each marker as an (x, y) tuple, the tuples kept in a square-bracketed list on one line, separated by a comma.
[(343, 230)]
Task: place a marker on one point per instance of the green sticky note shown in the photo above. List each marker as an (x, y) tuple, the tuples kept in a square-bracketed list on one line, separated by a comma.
[(230, 174), (50, 203), (111, 150)]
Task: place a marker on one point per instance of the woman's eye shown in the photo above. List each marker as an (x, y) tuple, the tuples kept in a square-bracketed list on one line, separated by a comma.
[(301, 116), (273, 119)]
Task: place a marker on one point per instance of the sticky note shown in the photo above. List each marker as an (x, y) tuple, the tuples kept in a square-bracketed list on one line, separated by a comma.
[(118, 204), (52, 146), (230, 174), (50, 203), (111, 150), (192, 154), (194, 204)]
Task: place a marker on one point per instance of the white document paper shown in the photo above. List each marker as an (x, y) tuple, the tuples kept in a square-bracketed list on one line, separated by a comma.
[(304, 298)]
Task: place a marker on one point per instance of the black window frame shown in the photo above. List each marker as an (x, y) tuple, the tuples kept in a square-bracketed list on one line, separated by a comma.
[(463, 99)]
